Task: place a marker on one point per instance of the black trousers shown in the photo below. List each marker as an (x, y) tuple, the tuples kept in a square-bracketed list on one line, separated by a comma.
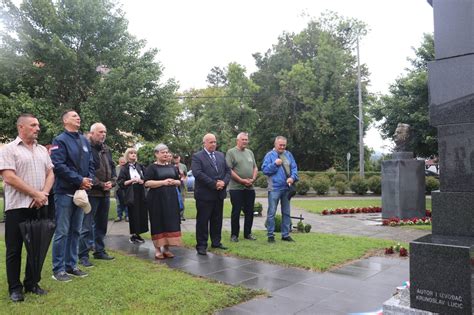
[(208, 220), (242, 200), (14, 244)]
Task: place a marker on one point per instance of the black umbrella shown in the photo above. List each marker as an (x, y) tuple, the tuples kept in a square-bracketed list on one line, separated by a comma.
[(37, 235)]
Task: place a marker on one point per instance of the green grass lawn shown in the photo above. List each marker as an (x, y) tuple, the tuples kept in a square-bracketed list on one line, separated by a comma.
[(418, 227), (126, 285), (318, 205), (313, 251)]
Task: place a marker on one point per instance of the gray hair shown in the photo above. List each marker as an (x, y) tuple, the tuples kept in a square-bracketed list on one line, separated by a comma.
[(242, 134), (161, 147), (95, 125), (280, 138)]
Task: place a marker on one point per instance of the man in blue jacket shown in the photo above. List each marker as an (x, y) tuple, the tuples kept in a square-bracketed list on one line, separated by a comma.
[(74, 169), (281, 170)]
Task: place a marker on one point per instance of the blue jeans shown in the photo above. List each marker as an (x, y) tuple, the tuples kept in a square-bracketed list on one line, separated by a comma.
[(122, 210), (273, 198), (66, 237), (94, 227)]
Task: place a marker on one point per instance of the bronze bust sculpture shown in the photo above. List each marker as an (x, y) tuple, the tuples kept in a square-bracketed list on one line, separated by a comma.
[(401, 137)]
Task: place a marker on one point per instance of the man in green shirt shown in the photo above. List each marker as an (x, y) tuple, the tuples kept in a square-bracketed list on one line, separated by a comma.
[(242, 194)]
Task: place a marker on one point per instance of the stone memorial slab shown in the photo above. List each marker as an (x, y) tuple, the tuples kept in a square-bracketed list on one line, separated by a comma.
[(459, 72), (454, 27), (456, 156), (442, 264), (455, 112), (448, 207), (441, 273)]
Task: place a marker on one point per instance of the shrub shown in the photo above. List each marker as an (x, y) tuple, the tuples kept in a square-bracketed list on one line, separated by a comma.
[(257, 209), (432, 184), (261, 182), (300, 227), (302, 187), (321, 185), (341, 187), (339, 178), (359, 185), (375, 184)]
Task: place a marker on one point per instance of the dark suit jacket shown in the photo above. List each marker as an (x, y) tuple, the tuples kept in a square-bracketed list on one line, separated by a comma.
[(206, 175), (124, 174)]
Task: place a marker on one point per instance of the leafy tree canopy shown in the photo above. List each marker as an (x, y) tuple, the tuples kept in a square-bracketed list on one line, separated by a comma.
[(308, 92), (408, 103), (223, 108), (73, 54)]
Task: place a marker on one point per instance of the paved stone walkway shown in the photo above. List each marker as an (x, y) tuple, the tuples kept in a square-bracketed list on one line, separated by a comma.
[(369, 224), (361, 286)]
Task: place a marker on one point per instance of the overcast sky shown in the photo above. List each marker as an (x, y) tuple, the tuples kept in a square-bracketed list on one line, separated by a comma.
[(194, 36)]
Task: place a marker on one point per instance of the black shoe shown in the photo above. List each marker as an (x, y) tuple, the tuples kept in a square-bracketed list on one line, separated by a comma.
[(17, 296), (62, 276), (234, 238), (139, 239), (271, 239), (133, 239), (287, 239), (250, 237), (183, 219), (201, 252), (220, 246), (118, 220), (36, 290), (104, 256), (85, 262), (76, 272)]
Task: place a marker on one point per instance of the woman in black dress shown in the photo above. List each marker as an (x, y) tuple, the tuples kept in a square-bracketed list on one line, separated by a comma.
[(163, 206), (131, 180)]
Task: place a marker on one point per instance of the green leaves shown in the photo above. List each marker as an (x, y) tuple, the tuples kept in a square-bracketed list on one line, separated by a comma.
[(408, 103), (308, 92), (52, 58)]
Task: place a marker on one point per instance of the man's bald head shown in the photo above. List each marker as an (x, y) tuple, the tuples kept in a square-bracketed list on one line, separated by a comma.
[(209, 141)]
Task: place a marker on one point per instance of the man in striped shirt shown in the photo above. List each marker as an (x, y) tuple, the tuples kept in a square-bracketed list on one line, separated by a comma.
[(27, 171)]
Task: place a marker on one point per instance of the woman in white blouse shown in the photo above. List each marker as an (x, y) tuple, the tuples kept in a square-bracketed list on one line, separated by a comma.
[(131, 180)]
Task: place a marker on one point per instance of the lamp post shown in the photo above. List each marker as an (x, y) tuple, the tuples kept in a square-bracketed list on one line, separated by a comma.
[(361, 118)]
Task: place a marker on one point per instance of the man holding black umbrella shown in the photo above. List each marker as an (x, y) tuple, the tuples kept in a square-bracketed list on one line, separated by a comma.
[(27, 172)]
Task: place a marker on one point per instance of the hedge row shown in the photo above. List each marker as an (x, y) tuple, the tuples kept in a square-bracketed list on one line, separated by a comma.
[(321, 183)]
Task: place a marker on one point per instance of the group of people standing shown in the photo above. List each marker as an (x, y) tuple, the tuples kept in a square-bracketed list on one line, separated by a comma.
[(153, 194), (214, 171)]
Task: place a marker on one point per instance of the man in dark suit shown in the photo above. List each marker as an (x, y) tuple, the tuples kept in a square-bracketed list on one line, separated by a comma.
[(212, 175)]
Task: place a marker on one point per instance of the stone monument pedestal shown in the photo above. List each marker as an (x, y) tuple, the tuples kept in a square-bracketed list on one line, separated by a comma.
[(442, 264), (403, 187)]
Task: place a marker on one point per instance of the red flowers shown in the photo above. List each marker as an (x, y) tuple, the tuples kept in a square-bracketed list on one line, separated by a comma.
[(389, 250), (403, 252), (372, 209)]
